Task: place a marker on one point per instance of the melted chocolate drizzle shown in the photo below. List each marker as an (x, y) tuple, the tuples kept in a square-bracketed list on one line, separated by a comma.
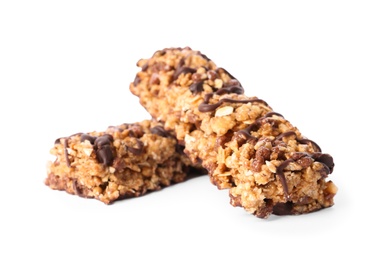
[(66, 145), (183, 70), (325, 159), (272, 113), (227, 72), (204, 56), (280, 174), (302, 141), (314, 144), (233, 86), (205, 107), (90, 138), (246, 132)]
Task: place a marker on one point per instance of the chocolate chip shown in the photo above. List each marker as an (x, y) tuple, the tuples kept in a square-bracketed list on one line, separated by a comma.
[(105, 155), (196, 87), (105, 139), (180, 149), (104, 152), (158, 130)]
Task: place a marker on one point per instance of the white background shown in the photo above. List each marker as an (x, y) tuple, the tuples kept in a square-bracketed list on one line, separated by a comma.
[(65, 67)]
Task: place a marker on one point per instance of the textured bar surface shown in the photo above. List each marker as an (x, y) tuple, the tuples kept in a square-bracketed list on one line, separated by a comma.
[(268, 166), (124, 161)]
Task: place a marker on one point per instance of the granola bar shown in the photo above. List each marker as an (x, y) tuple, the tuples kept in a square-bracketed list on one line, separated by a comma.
[(268, 166), (124, 161)]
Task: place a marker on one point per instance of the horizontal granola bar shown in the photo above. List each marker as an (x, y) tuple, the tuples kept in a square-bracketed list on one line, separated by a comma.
[(124, 161), (246, 147)]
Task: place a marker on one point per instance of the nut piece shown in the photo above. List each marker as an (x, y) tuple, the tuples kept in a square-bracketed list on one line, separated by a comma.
[(218, 83), (88, 151), (224, 111), (271, 166)]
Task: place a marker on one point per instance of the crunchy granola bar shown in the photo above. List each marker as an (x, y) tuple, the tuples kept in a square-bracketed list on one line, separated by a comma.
[(124, 161), (265, 162)]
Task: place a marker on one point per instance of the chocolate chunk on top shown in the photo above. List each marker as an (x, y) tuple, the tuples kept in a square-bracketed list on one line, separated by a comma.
[(103, 149)]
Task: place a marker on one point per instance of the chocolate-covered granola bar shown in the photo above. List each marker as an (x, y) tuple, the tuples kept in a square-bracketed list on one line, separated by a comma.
[(268, 166), (124, 161)]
